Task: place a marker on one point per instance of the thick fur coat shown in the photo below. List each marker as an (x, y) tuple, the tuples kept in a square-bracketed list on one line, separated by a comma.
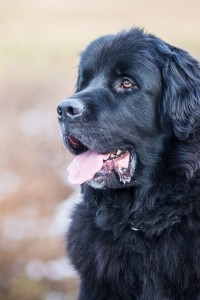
[(137, 240)]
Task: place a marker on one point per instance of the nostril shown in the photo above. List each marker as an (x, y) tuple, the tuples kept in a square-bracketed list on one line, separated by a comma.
[(59, 111), (74, 109), (70, 111)]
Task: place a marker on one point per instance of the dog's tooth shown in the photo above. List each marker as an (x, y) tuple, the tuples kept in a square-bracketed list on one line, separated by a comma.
[(119, 152), (112, 155)]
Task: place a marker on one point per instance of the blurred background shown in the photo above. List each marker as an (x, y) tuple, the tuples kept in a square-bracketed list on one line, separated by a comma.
[(40, 43)]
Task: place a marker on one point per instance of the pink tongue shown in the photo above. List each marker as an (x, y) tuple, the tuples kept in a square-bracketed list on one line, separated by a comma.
[(85, 165)]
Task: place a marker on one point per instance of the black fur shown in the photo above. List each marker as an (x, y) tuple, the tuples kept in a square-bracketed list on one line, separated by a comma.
[(140, 240)]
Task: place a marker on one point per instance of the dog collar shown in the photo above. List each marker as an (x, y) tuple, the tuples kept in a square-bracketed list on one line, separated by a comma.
[(134, 228)]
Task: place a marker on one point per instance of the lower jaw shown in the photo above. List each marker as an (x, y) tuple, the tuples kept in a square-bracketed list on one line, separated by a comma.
[(104, 180), (99, 181), (114, 178), (111, 180)]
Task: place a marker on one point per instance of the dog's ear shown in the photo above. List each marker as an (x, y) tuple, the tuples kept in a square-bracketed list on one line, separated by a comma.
[(180, 104)]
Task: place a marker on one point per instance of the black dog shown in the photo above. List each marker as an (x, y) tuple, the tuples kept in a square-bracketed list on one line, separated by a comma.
[(134, 127)]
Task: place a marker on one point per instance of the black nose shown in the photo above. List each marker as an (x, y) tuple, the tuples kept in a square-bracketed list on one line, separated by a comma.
[(70, 108)]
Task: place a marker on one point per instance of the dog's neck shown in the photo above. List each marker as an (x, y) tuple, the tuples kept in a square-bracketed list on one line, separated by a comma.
[(133, 209), (153, 197)]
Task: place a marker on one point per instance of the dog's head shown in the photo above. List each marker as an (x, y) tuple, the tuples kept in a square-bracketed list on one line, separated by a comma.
[(133, 92)]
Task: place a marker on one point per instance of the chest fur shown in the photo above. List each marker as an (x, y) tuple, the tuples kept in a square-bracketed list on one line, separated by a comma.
[(125, 255)]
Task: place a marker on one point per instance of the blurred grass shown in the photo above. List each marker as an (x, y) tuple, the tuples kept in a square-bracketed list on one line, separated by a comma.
[(39, 46)]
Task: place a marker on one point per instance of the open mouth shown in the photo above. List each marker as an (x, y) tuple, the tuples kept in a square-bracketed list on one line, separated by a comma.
[(122, 163), (88, 164)]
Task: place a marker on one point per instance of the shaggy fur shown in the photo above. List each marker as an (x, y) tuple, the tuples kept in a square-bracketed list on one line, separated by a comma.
[(140, 240)]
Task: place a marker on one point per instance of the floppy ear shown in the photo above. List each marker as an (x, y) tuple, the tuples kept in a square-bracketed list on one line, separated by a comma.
[(180, 107)]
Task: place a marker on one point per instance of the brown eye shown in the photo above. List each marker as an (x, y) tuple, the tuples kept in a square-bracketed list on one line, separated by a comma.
[(127, 84)]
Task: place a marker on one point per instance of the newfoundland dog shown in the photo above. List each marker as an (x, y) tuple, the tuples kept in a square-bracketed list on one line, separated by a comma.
[(134, 128)]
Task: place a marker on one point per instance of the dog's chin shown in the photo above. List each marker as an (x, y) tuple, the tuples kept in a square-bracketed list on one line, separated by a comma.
[(100, 181), (103, 180)]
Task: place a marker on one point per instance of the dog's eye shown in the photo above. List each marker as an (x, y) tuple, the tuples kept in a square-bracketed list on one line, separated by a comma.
[(127, 83)]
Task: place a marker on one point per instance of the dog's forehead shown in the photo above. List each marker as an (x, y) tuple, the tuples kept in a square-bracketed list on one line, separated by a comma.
[(110, 57), (119, 53)]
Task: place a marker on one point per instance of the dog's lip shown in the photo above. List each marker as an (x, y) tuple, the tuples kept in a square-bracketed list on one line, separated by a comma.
[(73, 141), (75, 145), (78, 146)]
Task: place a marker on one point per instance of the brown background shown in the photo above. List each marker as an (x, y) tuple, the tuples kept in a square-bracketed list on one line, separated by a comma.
[(39, 46)]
